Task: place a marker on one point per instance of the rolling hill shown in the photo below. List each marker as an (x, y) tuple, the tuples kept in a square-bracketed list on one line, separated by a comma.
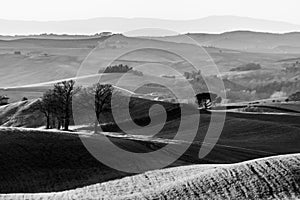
[(43, 60), (22, 114), (31, 61), (268, 178), (57, 160), (261, 42)]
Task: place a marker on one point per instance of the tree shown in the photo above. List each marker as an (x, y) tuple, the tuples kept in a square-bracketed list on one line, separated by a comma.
[(103, 94), (206, 99), (47, 106), (294, 97), (218, 100), (64, 92), (84, 104)]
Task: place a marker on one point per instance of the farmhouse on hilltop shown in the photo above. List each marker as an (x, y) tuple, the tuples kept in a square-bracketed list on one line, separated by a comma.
[(3, 100)]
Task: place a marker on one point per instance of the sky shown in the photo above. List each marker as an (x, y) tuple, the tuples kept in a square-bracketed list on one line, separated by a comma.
[(57, 10)]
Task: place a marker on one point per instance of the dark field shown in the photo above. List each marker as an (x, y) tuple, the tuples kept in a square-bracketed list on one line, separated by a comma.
[(44, 161)]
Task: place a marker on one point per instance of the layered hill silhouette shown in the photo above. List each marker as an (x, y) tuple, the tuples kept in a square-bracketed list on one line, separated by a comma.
[(211, 24), (243, 41)]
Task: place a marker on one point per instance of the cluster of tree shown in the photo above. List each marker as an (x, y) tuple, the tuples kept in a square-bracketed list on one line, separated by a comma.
[(244, 95), (267, 89), (56, 104), (91, 102), (206, 99), (247, 67), (293, 68), (294, 97), (169, 76), (193, 75), (120, 69), (103, 34), (116, 69)]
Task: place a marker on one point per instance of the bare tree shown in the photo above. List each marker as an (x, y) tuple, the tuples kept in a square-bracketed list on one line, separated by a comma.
[(64, 92), (103, 95), (85, 105), (206, 99), (47, 105)]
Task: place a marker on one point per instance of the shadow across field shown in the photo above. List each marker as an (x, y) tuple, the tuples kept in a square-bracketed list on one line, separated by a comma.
[(43, 161)]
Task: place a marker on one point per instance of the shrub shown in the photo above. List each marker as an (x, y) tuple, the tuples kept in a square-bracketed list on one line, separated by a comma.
[(247, 67), (294, 97)]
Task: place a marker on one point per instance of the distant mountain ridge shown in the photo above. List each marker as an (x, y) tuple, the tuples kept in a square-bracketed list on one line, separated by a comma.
[(211, 24), (250, 41)]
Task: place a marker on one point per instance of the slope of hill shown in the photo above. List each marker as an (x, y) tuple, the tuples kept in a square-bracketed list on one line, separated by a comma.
[(42, 60), (51, 59), (58, 160), (269, 178), (27, 61), (243, 41), (22, 114)]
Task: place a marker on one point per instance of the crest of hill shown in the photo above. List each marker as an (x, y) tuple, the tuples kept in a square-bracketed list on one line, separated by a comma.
[(243, 40), (268, 178)]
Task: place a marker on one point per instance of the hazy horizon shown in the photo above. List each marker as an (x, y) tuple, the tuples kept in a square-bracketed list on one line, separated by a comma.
[(93, 16), (214, 24), (33, 10)]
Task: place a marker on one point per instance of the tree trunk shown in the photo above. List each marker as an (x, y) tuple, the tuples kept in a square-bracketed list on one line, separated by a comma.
[(96, 126), (48, 122), (66, 128), (58, 123), (67, 115), (53, 122)]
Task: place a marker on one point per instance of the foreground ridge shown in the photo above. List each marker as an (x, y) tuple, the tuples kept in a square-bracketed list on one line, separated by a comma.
[(275, 177)]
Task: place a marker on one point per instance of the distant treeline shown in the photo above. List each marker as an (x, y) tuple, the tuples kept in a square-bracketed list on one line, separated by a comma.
[(247, 67), (193, 75), (293, 68)]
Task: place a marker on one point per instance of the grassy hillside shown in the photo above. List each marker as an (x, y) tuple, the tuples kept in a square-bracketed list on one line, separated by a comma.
[(243, 40), (51, 59), (54, 161), (34, 61), (22, 114), (269, 178)]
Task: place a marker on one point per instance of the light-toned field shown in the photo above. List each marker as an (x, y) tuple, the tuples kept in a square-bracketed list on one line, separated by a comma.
[(50, 60), (44, 60), (269, 178)]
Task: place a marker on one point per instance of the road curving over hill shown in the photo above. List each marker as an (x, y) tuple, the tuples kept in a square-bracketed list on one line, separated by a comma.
[(275, 177)]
